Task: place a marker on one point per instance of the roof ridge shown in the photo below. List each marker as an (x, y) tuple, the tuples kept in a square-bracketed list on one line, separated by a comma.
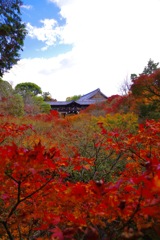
[(92, 91), (89, 94)]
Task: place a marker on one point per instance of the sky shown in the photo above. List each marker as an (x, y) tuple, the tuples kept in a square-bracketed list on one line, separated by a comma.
[(76, 46)]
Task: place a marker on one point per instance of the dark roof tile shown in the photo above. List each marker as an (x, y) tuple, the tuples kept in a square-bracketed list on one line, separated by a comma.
[(84, 100), (91, 94), (57, 103)]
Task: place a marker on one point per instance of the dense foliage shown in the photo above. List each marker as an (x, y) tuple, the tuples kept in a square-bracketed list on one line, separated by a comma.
[(28, 88), (82, 177), (90, 176), (22, 100), (12, 33)]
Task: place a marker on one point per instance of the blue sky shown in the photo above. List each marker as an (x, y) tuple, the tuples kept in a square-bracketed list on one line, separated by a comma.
[(76, 46), (38, 16)]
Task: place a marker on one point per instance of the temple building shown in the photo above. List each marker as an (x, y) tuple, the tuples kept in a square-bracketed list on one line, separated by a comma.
[(74, 107)]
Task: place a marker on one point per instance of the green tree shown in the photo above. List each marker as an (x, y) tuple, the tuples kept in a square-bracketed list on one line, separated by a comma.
[(12, 33), (33, 103), (43, 106), (46, 96), (151, 67), (73, 98), (28, 88), (15, 105), (5, 89), (10, 103)]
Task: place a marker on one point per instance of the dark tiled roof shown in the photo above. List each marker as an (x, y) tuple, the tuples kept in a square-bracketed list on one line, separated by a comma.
[(88, 102), (57, 103), (84, 100), (91, 94)]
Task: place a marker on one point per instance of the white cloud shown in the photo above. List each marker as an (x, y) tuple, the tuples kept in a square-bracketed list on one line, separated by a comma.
[(47, 73), (26, 7), (62, 3), (49, 33), (111, 39)]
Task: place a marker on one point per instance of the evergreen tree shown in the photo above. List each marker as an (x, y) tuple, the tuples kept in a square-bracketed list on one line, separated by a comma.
[(150, 68), (12, 33)]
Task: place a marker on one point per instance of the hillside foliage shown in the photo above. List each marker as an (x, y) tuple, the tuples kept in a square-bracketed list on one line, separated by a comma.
[(80, 177), (90, 176)]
